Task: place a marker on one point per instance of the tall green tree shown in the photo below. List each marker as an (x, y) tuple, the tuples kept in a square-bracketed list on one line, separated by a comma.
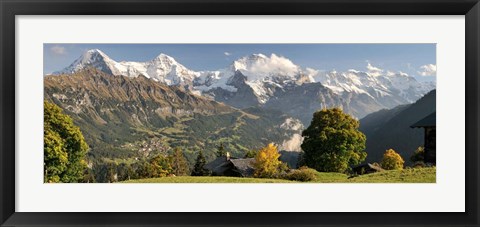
[(64, 147), (199, 168), (221, 151), (179, 163), (333, 142)]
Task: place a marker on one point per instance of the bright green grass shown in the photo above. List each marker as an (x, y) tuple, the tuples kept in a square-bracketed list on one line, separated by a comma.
[(330, 178), (416, 175), (190, 179)]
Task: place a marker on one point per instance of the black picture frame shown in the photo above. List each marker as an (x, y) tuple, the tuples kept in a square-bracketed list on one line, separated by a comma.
[(10, 8)]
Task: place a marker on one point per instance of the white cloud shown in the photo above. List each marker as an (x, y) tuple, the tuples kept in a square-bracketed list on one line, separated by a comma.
[(227, 53), (58, 50), (428, 70), (311, 72), (275, 64), (374, 71)]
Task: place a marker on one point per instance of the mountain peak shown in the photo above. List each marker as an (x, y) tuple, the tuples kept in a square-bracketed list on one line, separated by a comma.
[(92, 53), (95, 51), (163, 56), (90, 58)]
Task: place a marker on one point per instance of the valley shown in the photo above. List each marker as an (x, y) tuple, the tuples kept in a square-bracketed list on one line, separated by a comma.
[(130, 112)]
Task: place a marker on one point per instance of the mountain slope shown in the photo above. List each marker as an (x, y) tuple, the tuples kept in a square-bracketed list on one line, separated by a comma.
[(388, 89), (260, 80), (387, 129), (124, 117)]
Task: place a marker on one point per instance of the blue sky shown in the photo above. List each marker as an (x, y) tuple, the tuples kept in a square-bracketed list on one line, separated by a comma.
[(408, 58)]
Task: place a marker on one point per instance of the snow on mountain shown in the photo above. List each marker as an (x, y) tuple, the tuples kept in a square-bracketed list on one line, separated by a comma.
[(163, 68), (261, 75), (375, 83)]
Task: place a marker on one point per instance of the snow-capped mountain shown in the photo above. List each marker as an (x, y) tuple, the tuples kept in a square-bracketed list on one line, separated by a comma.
[(260, 73), (388, 88), (265, 76), (163, 68), (272, 81)]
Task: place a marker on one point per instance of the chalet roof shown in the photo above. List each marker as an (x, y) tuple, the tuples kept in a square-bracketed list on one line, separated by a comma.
[(371, 166), (428, 121), (244, 166), (215, 163), (377, 168)]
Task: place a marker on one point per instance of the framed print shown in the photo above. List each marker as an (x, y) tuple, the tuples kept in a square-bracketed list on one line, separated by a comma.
[(205, 113)]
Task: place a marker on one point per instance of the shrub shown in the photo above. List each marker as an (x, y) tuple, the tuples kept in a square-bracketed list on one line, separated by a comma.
[(418, 155), (392, 160), (419, 165), (302, 174)]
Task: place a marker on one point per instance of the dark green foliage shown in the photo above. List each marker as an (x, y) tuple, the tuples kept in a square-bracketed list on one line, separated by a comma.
[(106, 172), (125, 172), (300, 160), (221, 151), (332, 142), (199, 168), (418, 155), (250, 154), (64, 147), (179, 163), (88, 176), (302, 174)]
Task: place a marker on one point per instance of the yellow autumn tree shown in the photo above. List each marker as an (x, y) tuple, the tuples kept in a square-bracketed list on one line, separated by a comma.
[(266, 162), (392, 160)]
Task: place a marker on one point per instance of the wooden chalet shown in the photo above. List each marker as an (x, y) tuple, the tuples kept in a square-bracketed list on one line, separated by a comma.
[(430, 141), (229, 166)]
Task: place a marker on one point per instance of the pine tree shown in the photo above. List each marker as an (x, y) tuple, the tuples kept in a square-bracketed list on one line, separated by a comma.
[(179, 163), (199, 168), (221, 151)]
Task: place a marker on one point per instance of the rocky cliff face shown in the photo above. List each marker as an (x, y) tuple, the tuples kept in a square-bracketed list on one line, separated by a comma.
[(116, 112), (93, 92)]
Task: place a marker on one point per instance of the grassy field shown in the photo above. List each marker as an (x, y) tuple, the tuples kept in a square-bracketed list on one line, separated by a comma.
[(190, 179), (417, 175)]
